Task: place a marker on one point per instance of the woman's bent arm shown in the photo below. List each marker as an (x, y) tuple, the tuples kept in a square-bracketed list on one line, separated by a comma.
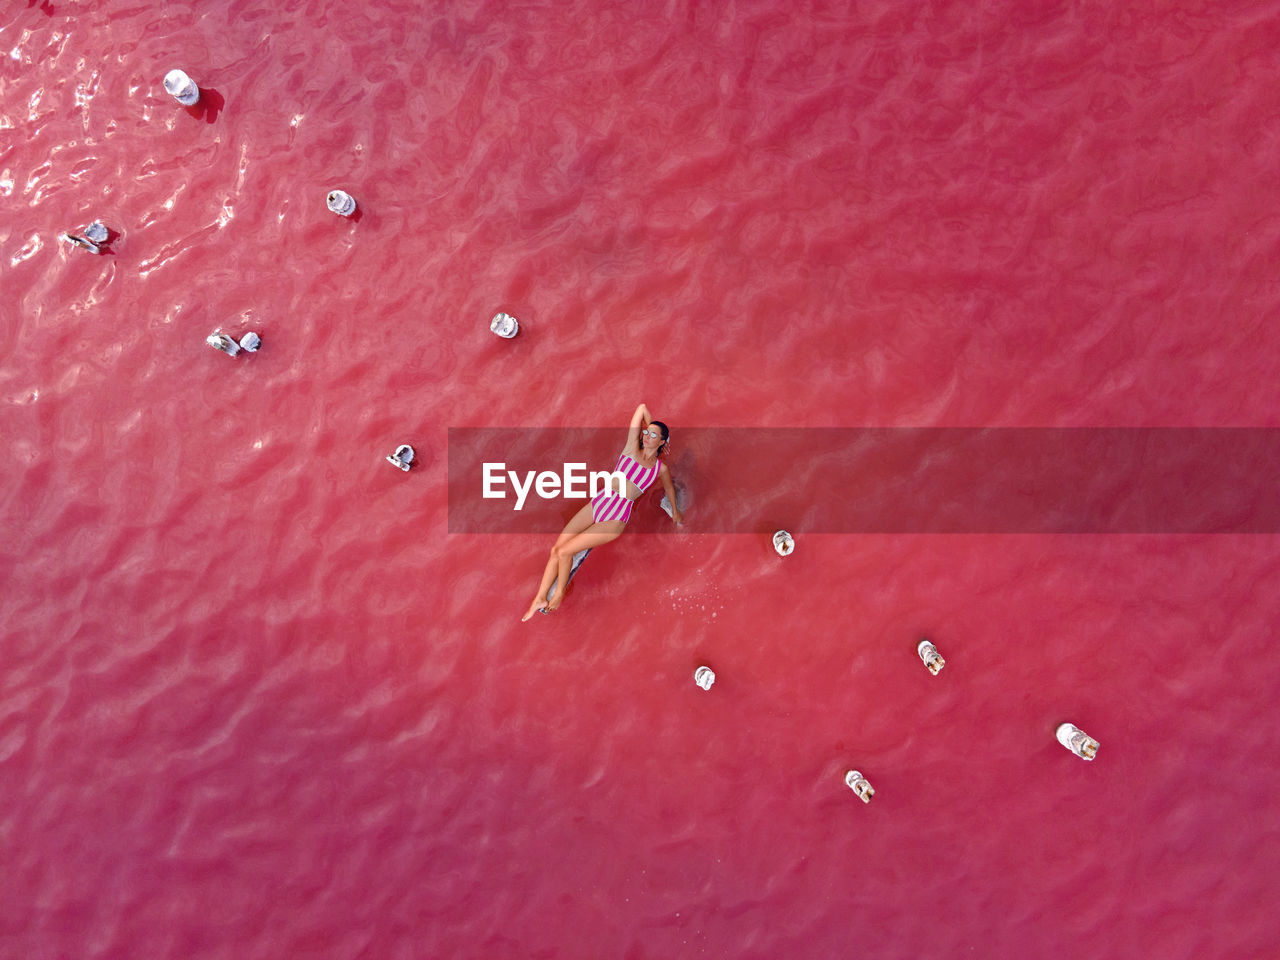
[(665, 476)]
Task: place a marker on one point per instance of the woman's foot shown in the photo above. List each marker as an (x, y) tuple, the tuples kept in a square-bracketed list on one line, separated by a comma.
[(554, 603), (538, 604)]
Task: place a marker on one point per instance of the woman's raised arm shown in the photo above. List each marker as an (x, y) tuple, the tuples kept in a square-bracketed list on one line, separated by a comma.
[(639, 421)]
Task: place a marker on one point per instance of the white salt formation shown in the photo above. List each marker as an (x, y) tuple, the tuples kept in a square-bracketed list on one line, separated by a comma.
[(341, 203), (220, 341), (89, 238), (859, 785), (402, 458), (84, 243), (505, 325), (704, 678), (1077, 741), (929, 654), (181, 87)]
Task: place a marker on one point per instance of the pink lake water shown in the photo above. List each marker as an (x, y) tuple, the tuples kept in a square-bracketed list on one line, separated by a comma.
[(258, 701)]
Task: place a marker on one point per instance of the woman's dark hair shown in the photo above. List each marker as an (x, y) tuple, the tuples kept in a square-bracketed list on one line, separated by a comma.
[(666, 434)]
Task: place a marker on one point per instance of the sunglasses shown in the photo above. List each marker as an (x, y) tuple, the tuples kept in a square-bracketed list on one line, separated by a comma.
[(652, 433)]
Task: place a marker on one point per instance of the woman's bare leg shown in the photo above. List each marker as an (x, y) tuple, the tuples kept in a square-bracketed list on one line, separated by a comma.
[(579, 522), (548, 578), (595, 535)]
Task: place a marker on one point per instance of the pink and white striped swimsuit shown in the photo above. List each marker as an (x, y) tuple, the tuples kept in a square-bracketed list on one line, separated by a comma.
[(609, 505)]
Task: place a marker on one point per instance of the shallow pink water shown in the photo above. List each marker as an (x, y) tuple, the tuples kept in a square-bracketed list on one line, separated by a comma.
[(258, 702)]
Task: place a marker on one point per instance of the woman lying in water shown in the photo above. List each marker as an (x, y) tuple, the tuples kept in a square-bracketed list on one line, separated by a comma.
[(605, 516)]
